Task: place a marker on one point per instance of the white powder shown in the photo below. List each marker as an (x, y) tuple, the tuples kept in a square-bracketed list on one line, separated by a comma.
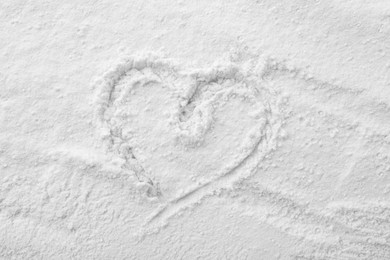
[(227, 130)]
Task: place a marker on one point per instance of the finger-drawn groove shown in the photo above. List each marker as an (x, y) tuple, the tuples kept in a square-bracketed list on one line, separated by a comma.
[(199, 94)]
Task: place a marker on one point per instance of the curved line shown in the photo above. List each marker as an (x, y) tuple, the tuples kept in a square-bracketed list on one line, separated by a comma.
[(193, 196)]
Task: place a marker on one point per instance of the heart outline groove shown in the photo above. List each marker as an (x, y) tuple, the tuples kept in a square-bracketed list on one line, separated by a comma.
[(169, 124)]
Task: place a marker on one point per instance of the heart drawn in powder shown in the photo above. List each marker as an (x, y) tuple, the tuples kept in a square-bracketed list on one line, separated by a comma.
[(179, 129)]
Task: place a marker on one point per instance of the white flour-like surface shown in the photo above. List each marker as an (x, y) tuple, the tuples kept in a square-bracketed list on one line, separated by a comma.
[(195, 130)]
